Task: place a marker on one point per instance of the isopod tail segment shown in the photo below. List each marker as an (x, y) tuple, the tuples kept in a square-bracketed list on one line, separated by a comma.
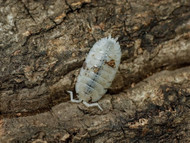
[(84, 102)]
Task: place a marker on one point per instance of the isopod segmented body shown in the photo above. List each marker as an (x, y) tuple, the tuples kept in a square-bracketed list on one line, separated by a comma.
[(98, 71)]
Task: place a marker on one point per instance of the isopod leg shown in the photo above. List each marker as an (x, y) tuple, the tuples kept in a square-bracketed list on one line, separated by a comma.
[(92, 105), (71, 96)]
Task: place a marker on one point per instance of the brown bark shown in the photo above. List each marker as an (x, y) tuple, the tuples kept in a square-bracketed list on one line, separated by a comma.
[(43, 45)]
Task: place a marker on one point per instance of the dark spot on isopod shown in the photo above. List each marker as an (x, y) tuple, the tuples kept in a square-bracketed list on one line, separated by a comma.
[(84, 65), (96, 69), (90, 99), (111, 63)]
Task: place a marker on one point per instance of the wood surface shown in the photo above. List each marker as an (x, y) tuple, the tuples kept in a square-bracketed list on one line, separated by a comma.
[(43, 44)]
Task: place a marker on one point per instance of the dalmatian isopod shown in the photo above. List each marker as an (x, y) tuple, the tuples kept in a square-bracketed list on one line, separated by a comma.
[(97, 72)]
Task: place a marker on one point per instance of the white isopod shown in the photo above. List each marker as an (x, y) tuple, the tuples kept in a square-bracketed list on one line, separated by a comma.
[(98, 72)]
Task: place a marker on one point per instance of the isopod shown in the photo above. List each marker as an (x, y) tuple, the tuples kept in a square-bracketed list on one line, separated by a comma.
[(97, 72)]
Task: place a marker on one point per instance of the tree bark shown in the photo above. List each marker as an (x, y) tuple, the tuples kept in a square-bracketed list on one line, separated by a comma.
[(43, 45)]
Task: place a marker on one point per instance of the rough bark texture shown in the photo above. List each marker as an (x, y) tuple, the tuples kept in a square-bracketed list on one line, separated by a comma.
[(43, 45)]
